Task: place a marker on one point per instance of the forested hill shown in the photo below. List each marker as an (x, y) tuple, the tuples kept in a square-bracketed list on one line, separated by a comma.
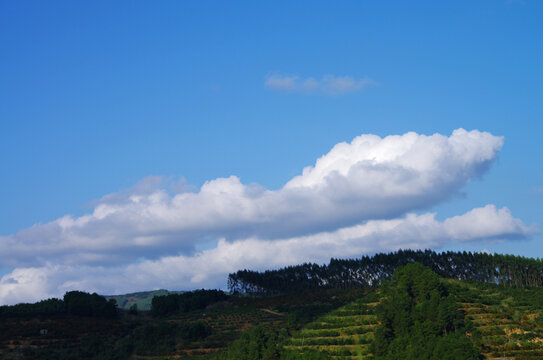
[(370, 271), (142, 300)]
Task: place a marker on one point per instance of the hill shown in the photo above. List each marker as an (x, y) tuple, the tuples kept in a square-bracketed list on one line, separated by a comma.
[(141, 299), (508, 322), (492, 320)]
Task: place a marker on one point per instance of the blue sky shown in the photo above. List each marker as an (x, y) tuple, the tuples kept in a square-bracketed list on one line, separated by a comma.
[(97, 96)]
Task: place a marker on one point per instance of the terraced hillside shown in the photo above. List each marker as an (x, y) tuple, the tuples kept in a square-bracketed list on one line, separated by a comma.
[(509, 320), (503, 322), (344, 333)]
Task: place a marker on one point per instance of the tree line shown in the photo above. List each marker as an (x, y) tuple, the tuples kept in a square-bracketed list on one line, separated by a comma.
[(77, 303), (370, 271)]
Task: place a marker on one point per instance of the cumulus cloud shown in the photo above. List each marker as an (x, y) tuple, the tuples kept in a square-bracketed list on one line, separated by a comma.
[(369, 178), (328, 84), (210, 268), (358, 198)]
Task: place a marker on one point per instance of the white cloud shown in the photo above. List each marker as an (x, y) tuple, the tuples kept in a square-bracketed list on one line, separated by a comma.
[(210, 268), (485, 223), (328, 84), (354, 200), (369, 178)]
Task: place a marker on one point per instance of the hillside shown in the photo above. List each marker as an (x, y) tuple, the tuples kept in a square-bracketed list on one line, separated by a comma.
[(342, 333), (509, 321), (497, 321), (196, 334), (141, 299)]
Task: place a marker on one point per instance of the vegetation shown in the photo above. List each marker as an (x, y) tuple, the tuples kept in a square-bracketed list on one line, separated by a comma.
[(49, 307), (74, 303), (415, 314), (345, 332), (83, 304), (183, 303), (508, 320), (141, 299), (420, 320), (266, 344), (371, 271), (164, 337)]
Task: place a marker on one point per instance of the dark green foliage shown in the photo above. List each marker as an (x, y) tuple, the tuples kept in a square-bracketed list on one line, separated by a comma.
[(371, 271), (133, 309), (454, 347), (257, 343), (185, 302), (420, 320), (300, 315), (43, 308), (74, 303), (85, 304)]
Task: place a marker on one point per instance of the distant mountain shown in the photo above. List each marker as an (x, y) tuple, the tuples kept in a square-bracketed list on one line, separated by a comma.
[(142, 299)]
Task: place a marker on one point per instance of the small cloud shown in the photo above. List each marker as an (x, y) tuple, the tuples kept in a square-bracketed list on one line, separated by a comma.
[(538, 190), (280, 82), (328, 84)]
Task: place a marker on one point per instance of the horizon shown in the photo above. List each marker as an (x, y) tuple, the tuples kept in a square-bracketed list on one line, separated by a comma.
[(168, 145)]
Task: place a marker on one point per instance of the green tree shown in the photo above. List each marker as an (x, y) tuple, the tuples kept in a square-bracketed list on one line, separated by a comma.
[(419, 319)]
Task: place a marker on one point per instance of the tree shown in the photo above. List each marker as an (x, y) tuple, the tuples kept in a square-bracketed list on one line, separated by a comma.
[(419, 319)]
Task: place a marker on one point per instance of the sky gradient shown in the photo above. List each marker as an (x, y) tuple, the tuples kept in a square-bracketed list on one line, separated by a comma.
[(141, 141)]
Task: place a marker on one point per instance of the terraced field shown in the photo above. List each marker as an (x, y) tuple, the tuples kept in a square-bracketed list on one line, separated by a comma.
[(511, 327), (508, 323), (344, 333)]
